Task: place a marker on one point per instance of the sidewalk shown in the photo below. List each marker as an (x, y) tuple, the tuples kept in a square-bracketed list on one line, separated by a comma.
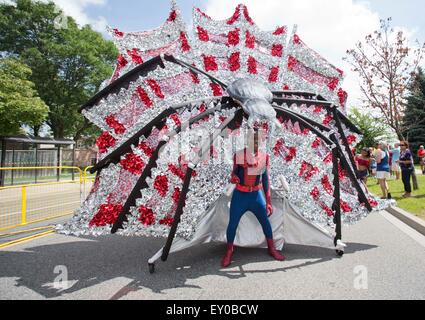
[(29, 231)]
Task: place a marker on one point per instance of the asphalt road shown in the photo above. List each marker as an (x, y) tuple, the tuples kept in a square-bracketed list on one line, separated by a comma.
[(385, 259)]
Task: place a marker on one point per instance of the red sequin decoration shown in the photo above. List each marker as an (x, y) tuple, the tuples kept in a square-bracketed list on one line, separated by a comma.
[(333, 84), (247, 16), (280, 143), (210, 63), (233, 38), (176, 195), (122, 62), (285, 87), (274, 74), (105, 141), (133, 164), (297, 39), (135, 56), (308, 171), (316, 143), (342, 95), (203, 34), (146, 149), (345, 207), (234, 61), (114, 124), (315, 193), (107, 215), (328, 158), (328, 210), (217, 90), (292, 153), (161, 185), (147, 217), (373, 202), (328, 119), (277, 50), (176, 119), (118, 33), (351, 139), (143, 96), (252, 65), (235, 16), (292, 62), (327, 185), (279, 31), (156, 88), (168, 221), (249, 41), (317, 109), (172, 17), (185, 43)]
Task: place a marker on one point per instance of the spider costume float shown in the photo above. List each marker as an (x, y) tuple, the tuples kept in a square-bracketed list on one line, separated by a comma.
[(177, 109)]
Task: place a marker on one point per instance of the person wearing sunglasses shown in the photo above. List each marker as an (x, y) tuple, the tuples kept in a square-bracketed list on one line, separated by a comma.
[(407, 167)]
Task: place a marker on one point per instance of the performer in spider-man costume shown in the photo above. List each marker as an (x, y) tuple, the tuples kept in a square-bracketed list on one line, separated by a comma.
[(251, 177)]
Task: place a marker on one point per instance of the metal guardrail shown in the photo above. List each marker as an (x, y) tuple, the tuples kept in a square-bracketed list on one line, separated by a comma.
[(32, 203)]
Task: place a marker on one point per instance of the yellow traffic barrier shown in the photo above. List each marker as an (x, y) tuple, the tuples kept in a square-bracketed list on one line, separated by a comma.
[(33, 203)]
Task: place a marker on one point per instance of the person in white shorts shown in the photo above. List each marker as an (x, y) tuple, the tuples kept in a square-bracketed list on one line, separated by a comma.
[(383, 170)]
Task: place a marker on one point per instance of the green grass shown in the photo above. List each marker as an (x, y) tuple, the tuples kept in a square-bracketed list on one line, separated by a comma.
[(414, 205)]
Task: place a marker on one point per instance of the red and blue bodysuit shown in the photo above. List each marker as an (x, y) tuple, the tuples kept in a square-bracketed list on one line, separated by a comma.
[(251, 176)]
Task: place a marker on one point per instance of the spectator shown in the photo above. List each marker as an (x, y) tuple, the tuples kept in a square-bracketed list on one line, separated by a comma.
[(421, 155), (383, 170), (374, 165), (395, 168), (407, 167), (363, 165)]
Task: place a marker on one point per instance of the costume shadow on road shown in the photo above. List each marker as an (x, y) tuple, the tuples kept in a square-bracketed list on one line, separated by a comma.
[(92, 261)]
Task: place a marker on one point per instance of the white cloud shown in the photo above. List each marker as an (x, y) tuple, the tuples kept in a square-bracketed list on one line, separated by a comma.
[(76, 9), (328, 26)]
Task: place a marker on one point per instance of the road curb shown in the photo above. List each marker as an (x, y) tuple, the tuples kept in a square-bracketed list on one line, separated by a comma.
[(408, 218)]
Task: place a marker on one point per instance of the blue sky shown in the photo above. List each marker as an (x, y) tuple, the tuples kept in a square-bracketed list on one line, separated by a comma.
[(133, 15), (331, 27)]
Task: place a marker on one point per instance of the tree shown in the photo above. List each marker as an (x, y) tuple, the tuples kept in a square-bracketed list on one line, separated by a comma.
[(386, 65), (19, 103), (68, 62), (372, 128), (414, 119)]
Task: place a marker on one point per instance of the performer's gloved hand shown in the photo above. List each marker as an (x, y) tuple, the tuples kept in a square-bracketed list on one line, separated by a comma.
[(269, 210), (235, 180)]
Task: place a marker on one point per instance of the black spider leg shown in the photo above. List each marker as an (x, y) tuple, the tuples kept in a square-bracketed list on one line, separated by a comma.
[(306, 119), (143, 70), (319, 100), (136, 193), (182, 200), (330, 142), (337, 114), (353, 177), (124, 81), (157, 122), (337, 196), (304, 124), (195, 70)]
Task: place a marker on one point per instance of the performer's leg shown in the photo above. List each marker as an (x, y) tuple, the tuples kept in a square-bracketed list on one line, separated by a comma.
[(259, 208), (237, 210)]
